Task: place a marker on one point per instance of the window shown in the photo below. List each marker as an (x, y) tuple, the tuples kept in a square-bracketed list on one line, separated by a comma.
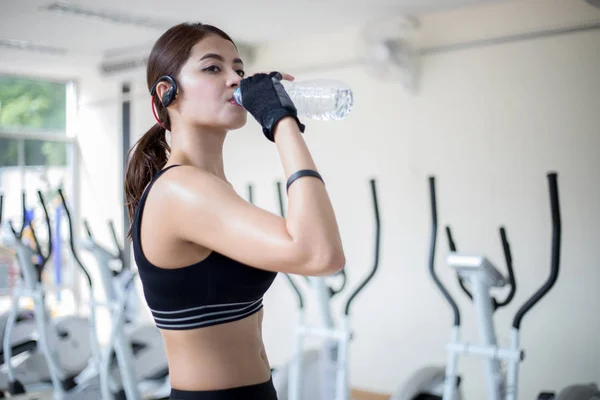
[(28, 105), (36, 154)]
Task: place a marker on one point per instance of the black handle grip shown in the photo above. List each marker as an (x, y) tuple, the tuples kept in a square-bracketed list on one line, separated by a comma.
[(88, 231), (24, 210), (464, 288), (509, 266), (38, 248), (555, 257), (250, 193), (42, 259), (451, 243), (338, 290), (72, 241), (48, 228), (36, 243), (376, 250), (433, 240), (288, 277), (120, 252), (12, 228)]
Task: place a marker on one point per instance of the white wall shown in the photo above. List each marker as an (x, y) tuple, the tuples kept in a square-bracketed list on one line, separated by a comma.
[(489, 122)]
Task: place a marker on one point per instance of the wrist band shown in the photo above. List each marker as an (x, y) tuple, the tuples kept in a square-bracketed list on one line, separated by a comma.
[(300, 174)]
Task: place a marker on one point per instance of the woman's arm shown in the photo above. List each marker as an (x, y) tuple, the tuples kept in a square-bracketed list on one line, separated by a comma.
[(205, 210), (208, 212)]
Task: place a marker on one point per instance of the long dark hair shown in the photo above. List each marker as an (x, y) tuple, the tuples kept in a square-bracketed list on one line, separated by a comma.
[(150, 154)]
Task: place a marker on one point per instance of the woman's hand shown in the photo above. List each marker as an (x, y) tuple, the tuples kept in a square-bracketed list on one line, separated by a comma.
[(265, 98)]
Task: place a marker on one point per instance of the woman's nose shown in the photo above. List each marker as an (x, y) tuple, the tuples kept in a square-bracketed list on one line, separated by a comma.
[(234, 80)]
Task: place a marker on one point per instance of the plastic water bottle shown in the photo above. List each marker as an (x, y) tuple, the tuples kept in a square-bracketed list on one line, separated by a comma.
[(321, 99)]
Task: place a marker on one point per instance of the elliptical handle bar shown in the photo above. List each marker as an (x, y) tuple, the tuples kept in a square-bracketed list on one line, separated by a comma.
[(71, 240), (24, 211), (509, 265), (88, 230), (19, 235), (451, 243), (452, 247), (111, 227), (377, 247), (121, 254), (555, 258), (250, 194), (282, 213), (38, 249), (433, 240), (46, 257)]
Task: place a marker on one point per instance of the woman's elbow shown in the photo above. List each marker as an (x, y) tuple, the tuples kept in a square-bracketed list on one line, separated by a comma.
[(328, 263)]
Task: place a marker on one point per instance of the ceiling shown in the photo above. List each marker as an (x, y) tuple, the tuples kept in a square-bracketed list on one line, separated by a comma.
[(78, 42)]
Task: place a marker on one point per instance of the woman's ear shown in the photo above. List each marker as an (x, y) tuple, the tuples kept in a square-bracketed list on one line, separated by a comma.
[(166, 90), (166, 93)]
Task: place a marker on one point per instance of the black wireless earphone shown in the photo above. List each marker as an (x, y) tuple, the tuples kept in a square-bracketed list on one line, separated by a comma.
[(169, 96)]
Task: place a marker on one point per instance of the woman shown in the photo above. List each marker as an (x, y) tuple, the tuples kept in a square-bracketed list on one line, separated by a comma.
[(206, 256)]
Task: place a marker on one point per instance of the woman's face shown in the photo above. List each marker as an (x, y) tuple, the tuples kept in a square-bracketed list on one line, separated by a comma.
[(207, 82)]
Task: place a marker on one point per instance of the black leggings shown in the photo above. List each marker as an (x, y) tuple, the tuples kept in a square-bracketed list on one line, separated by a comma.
[(261, 391)]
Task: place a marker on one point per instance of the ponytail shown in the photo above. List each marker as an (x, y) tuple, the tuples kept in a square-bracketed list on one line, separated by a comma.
[(146, 159)]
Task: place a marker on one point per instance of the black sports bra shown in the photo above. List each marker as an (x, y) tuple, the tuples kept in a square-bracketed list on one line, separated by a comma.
[(213, 291)]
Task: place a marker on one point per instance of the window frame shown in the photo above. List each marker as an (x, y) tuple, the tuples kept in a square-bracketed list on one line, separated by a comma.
[(67, 136)]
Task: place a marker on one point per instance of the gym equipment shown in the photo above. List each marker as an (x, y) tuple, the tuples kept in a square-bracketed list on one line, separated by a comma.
[(23, 340), (322, 374), (68, 345), (139, 349), (426, 383), (481, 275)]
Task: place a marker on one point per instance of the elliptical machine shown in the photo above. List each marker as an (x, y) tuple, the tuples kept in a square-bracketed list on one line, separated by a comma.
[(482, 276), (23, 341), (322, 374), (140, 355), (68, 345)]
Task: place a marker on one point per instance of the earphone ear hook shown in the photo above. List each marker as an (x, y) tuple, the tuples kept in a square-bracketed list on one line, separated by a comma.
[(167, 97), (170, 94)]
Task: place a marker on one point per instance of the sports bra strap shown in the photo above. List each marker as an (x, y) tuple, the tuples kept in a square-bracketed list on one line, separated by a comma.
[(162, 171), (142, 200), (156, 176)]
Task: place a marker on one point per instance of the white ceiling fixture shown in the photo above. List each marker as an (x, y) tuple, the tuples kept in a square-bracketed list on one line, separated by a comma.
[(389, 51), (116, 17), (29, 46), (108, 68)]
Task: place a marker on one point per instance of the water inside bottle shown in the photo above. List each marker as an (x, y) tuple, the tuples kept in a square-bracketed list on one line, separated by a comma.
[(321, 99)]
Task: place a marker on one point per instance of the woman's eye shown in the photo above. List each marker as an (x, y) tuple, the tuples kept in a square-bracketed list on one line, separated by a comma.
[(214, 68)]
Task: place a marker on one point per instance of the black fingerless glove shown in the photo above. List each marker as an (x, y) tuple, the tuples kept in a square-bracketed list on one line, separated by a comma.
[(265, 98)]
